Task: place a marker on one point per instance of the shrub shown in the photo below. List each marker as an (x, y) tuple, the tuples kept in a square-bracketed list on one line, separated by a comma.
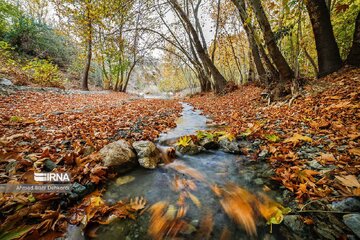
[(44, 73), (39, 40)]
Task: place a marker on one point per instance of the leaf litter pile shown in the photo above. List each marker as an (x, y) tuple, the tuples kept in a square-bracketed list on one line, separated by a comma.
[(46, 130)]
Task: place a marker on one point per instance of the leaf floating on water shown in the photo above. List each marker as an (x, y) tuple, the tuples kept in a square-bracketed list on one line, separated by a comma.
[(194, 199), (236, 203), (124, 180), (216, 190), (166, 221), (206, 227), (225, 234), (138, 203), (182, 168)]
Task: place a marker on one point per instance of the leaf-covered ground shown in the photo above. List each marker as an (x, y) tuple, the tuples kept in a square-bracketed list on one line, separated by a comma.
[(67, 130), (313, 144)]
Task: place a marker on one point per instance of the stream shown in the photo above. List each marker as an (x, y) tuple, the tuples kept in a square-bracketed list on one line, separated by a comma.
[(155, 185)]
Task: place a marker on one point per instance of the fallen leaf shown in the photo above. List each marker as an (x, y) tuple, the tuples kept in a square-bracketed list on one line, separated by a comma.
[(124, 180), (349, 181), (297, 138), (355, 151)]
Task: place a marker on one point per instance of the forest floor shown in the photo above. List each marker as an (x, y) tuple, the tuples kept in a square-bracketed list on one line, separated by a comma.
[(312, 145), (320, 130)]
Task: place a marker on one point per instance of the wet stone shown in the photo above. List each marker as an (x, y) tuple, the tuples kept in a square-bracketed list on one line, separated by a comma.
[(353, 222), (209, 144), (77, 191), (325, 232), (148, 154), (295, 223), (229, 146), (346, 205), (190, 149)]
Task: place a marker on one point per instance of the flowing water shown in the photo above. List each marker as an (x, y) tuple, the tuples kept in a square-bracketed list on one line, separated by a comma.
[(155, 185)]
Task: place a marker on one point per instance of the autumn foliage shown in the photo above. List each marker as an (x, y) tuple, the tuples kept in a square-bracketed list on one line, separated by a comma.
[(326, 117)]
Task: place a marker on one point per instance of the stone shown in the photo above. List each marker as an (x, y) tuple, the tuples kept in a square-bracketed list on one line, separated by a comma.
[(262, 155), (295, 223), (191, 149), (315, 165), (229, 146), (7, 82), (209, 144), (88, 150), (117, 153), (258, 181), (77, 191), (268, 173), (346, 205), (327, 231), (11, 167), (353, 222), (148, 154), (49, 165)]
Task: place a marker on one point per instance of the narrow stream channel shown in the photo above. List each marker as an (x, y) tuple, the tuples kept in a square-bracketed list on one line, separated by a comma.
[(155, 185)]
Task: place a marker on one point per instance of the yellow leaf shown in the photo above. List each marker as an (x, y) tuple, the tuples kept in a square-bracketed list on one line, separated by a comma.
[(184, 141), (195, 200), (297, 138)]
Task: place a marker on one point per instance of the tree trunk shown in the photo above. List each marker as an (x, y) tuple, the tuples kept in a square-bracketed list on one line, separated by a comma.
[(274, 72), (251, 73), (286, 74), (327, 49), (354, 55), (219, 80), (128, 76), (240, 5), (85, 86)]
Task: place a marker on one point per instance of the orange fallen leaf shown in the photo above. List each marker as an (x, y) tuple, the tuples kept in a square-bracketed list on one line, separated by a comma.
[(349, 181), (355, 151)]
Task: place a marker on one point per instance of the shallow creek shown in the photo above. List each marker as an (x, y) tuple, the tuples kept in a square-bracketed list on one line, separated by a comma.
[(155, 185)]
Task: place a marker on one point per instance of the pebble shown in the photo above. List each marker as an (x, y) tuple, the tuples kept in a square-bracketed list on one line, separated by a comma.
[(315, 164), (49, 165), (263, 154), (259, 181)]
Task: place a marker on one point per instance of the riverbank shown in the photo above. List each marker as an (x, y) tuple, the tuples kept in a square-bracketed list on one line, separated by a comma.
[(312, 145), (55, 132)]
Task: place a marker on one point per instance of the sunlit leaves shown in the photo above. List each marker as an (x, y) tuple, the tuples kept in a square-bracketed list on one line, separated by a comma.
[(296, 138), (184, 141), (272, 137)]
